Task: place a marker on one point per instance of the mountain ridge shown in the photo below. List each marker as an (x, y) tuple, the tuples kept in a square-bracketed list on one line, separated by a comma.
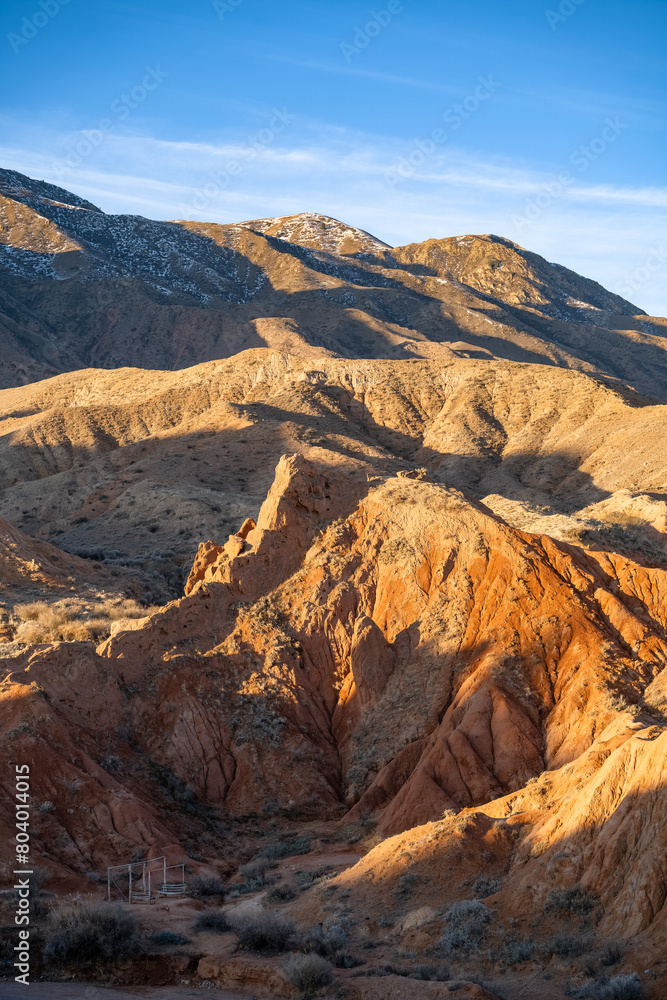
[(84, 289)]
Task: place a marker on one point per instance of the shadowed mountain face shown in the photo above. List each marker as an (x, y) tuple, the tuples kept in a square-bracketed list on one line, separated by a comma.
[(84, 289)]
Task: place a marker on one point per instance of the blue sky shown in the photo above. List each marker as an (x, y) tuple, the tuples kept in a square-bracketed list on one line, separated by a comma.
[(539, 121)]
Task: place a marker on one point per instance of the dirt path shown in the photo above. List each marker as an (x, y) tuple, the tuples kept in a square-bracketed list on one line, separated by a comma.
[(82, 991)]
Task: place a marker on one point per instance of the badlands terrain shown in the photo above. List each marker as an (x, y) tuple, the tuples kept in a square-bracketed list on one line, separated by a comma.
[(338, 573)]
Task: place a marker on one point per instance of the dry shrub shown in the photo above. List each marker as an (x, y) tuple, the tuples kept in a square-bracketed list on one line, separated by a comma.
[(287, 848), (116, 609), (264, 932), (467, 927), (515, 952), (255, 870), (31, 612), (426, 973), (281, 894), (90, 932), (214, 922), (568, 945), (406, 886), (205, 885), (573, 900), (331, 942), (612, 954), (624, 987), (167, 939), (485, 886), (312, 876), (308, 972)]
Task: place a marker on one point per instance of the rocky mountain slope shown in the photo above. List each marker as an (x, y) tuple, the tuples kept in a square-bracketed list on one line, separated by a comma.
[(84, 289), (494, 699), (307, 540)]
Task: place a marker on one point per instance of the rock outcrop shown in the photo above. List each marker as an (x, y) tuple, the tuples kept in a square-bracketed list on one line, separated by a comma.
[(415, 656)]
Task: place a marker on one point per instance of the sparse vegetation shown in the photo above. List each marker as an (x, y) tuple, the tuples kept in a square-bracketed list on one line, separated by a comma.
[(568, 946), (515, 952), (430, 973), (308, 972), (406, 886), (265, 932), (330, 942), (485, 886), (359, 830), (182, 795), (623, 987), (254, 875), (633, 536), (203, 886), (612, 954), (168, 939), (281, 894), (425, 973), (214, 922), (71, 620), (468, 922), (254, 870), (311, 876), (573, 900), (90, 932), (287, 848)]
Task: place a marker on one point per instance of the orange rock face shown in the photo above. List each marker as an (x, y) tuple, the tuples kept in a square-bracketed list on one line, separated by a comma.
[(416, 655), (396, 650)]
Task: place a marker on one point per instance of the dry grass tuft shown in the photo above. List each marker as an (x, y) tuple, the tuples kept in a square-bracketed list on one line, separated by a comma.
[(71, 620)]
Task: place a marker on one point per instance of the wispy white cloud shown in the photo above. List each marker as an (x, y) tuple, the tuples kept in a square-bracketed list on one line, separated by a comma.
[(368, 74)]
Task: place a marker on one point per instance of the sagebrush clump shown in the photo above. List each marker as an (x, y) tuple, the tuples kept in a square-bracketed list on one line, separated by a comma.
[(214, 922), (467, 927), (90, 932), (281, 894), (265, 932), (308, 972), (624, 987), (287, 848), (205, 886), (168, 939), (329, 941), (573, 900), (568, 945)]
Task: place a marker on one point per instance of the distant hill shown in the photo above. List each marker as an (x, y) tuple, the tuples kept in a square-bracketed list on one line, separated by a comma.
[(79, 288)]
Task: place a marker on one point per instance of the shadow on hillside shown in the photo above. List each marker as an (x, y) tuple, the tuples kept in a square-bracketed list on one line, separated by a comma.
[(174, 268), (582, 911), (240, 463)]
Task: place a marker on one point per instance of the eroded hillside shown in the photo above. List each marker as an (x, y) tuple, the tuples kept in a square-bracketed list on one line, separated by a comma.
[(135, 468), (84, 289), (310, 544), (387, 648)]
